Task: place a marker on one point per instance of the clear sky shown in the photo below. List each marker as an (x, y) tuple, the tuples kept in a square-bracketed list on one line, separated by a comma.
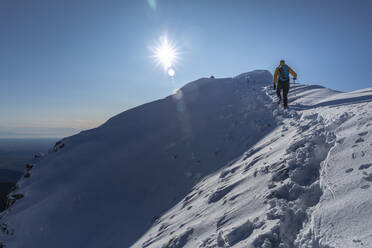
[(67, 65)]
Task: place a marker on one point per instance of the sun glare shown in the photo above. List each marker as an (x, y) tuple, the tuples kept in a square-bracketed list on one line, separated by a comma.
[(166, 55)]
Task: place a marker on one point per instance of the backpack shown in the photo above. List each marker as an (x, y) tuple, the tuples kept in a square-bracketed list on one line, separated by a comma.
[(283, 73)]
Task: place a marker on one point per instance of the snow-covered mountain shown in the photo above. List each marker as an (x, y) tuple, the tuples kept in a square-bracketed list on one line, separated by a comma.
[(218, 164), (306, 184)]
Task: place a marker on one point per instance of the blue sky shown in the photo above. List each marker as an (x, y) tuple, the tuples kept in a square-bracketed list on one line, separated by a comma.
[(68, 65)]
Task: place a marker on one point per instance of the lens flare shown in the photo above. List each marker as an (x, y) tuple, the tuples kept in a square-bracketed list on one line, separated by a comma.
[(171, 72), (152, 4)]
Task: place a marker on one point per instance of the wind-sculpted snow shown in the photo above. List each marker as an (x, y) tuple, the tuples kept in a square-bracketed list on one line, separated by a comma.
[(306, 184)]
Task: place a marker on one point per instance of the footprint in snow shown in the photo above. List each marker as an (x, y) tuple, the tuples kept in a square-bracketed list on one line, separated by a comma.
[(349, 170), (368, 177), (363, 133), (353, 155), (359, 140), (364, 166), (365, 186)]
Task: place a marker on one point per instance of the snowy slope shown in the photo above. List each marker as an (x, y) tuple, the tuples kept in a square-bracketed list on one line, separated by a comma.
[(306, 184), (105, 187), (220, 165)]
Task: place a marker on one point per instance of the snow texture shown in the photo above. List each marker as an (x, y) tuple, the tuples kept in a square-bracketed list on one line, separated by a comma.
[(218, 164)]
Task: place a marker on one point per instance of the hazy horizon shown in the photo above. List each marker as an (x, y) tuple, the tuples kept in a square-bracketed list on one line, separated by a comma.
[(16, 152)]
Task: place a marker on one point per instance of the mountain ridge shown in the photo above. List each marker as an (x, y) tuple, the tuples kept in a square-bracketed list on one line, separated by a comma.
[(112, 166), (217, 164)]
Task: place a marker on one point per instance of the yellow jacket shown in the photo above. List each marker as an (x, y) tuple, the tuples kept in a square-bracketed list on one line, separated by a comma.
[(294, 74)]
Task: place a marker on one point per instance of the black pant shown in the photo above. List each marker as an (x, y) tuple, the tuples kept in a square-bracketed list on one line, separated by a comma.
[(285, 86)]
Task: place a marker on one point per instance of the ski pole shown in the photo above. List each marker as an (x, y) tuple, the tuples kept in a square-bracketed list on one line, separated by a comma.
[(294, 87)]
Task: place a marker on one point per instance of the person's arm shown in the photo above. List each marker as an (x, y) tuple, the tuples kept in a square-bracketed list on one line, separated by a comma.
[(294, 74), (275, 76)]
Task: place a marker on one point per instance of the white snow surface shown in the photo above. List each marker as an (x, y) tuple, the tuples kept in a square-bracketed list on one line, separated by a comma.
[(218, 164)]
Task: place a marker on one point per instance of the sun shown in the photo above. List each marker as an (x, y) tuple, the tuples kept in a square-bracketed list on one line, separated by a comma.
[(166, 55)]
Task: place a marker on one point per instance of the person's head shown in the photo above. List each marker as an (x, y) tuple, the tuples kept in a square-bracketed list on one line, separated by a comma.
[(282, 62)]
